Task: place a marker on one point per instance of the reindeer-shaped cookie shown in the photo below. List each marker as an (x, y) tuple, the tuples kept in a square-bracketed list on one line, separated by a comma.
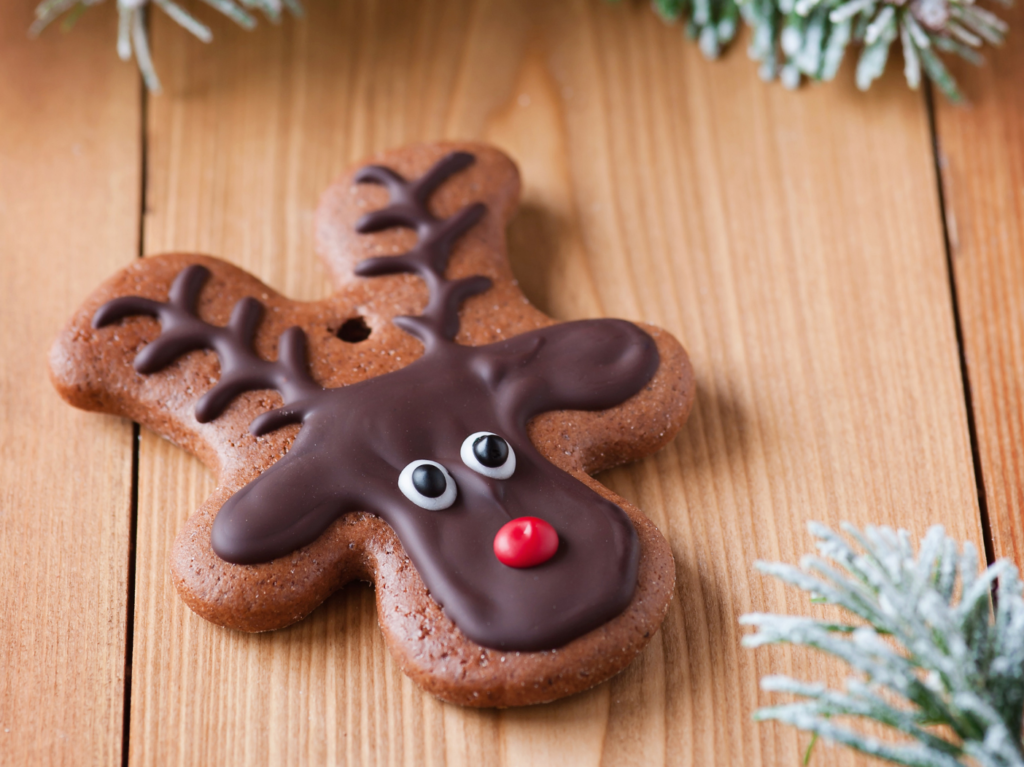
[(423, 428)]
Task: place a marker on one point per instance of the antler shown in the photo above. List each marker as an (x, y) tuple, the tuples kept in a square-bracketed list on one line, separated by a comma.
[(242, 370), (429, 258)]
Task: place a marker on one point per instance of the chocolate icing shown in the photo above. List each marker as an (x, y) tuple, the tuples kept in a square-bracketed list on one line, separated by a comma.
[(355, 440)]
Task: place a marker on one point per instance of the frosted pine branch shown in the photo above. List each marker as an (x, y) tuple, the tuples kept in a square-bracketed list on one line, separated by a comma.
[(793, 39), (948, 657), (133, 36)]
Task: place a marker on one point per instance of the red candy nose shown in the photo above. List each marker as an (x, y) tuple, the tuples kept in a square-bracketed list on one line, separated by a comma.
[(525, 542)]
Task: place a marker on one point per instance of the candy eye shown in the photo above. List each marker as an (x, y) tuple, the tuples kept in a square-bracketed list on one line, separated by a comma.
[(488, 454), (428, 485)]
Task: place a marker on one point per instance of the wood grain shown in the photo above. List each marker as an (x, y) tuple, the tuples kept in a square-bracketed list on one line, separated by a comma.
[(70, 177), (981, 150), (792, 241)]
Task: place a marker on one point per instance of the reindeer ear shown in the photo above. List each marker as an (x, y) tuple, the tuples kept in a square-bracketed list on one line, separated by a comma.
[(282, 510), (585, 365)]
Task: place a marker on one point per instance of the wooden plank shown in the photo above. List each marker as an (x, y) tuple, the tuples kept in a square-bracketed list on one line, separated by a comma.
[(70, 177), (793, 241), (982, 160)]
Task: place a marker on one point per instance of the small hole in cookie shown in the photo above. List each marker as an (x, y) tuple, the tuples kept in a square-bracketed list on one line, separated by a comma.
[(354, 330)]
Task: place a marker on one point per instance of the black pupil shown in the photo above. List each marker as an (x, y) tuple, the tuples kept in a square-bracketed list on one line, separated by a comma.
[(429, 480), (491, 451)]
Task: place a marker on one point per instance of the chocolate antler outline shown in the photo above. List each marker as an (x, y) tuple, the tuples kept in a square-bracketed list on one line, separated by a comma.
[(429, 257), (242, 369), (182, 331)]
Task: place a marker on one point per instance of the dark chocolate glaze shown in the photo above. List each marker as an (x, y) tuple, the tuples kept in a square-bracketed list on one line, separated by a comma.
[(355, 440)]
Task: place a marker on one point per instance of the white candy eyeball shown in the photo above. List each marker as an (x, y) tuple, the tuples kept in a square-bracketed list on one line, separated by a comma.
[(488, 454), (428, 484)]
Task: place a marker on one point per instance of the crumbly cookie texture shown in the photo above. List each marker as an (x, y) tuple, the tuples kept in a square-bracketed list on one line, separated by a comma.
[(306, 421)]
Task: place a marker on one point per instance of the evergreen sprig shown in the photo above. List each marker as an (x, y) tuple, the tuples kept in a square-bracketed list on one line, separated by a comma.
[(930, 648), (132, 33), (791, 38)]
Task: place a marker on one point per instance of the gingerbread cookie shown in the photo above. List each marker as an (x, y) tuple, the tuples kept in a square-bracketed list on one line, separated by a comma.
[(424, 428)]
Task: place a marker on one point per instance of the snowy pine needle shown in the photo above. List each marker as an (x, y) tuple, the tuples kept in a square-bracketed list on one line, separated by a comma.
[(132, 35), (793, 39), (948, 657)]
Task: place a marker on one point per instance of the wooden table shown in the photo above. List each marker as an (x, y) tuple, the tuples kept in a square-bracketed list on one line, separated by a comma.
[(846, 270)]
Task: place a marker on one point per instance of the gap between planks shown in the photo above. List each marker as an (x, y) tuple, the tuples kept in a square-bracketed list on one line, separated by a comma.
[(136, 442), (972, 429)]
